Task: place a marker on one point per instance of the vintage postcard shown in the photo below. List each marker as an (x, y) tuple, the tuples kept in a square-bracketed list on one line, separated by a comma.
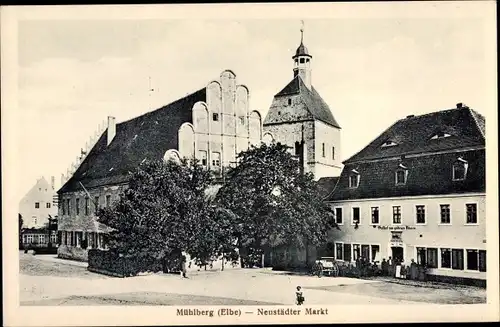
[(249, 163)]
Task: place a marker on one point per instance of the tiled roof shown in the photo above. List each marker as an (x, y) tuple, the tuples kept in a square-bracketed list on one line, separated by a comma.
[(413, 134), (312, 100), (148, 136), (326, 185), (427, 175)]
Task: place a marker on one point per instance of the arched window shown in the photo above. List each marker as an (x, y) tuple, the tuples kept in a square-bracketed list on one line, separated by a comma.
[(172, 155)]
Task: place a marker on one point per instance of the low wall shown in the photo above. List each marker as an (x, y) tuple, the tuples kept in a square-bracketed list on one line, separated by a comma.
[(457, 280), (110, 263)]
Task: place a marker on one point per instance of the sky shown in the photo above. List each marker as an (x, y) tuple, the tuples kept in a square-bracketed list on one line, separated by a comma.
[(371, 70)]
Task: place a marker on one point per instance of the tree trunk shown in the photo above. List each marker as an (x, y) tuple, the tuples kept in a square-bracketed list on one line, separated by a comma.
[(307, 253)]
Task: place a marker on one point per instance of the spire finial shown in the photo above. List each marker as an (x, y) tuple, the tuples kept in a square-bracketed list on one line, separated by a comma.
[(302, 31)]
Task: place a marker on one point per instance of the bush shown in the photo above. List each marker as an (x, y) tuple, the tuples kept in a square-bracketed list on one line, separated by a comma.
[(110, 262)]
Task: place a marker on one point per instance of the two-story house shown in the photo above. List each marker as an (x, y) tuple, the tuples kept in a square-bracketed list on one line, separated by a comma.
[(418, 192)]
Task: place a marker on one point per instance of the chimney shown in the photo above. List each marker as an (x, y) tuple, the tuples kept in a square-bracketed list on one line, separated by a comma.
[(63, 180), (459, 105), (111, 128), (53, 182)]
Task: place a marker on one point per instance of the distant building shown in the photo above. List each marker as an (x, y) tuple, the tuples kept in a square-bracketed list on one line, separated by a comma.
[(38, 204), (301, 119), (33, 238), (213, 125), (418, 192)]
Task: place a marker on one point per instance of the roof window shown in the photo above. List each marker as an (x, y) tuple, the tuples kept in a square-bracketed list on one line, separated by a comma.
[(354, 179), (440, 135), (389, 143), (459, 169)]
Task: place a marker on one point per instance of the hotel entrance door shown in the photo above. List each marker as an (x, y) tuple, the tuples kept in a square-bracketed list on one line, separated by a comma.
[(397, 253)]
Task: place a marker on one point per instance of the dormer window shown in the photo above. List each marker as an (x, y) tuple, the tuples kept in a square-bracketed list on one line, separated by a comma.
[(401, 175), (388, 143), (354, 179), (440, 135), (460, 169)]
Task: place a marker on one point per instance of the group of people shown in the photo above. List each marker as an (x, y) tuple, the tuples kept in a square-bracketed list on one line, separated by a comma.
[(389, 268)]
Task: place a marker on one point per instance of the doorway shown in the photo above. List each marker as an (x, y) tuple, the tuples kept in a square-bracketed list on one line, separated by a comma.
[(397, 253)]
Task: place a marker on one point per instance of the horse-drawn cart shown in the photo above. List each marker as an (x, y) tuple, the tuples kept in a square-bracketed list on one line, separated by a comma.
[(325, 266)]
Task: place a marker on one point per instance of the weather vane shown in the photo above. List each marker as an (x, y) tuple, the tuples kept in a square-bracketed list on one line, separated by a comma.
[(302, 31)]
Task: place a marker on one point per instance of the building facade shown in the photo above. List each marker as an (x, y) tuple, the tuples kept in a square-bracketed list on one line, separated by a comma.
[(38, 204), (213, 125), (35, 238), (301, 119), (417, 192)]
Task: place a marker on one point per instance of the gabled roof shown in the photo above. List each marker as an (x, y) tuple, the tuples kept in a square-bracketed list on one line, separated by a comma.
[(148, 136), (427, 175), (326, 185), (413, 134), (312, 100)]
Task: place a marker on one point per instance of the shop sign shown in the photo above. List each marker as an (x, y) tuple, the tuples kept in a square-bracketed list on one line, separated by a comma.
[(397, 227)]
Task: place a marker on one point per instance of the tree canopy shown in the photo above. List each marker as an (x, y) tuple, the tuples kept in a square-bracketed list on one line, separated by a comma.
[(273, 201), (165, 210)]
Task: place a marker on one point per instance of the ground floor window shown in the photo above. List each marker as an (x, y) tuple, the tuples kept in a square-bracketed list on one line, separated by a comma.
[(432, 257), (375, 253), (482, 260), (79, 237), (91, 239), (472, 260), (457, 261), (356, 252), (445, 258), (422, 256), (347, 252), (365, 251), (476, 260), (41, 239), (339, 251)]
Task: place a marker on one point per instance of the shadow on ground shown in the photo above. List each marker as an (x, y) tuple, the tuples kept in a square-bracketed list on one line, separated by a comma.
[(144, 298), (31, 266), (439, 294)]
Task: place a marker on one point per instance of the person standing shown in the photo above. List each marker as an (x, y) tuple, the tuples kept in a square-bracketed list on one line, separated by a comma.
[(385, 267), (299, 296), (183, 267), (413, 270)]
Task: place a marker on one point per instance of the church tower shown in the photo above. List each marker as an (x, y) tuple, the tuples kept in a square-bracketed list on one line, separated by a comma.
[(301, 119), (302, 62)]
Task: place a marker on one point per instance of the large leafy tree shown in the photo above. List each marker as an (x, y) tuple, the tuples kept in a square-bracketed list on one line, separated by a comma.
[(274, 202), (165, 210)]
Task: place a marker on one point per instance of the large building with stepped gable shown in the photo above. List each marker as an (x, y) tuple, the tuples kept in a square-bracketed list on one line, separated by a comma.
[(301, 119), (418, 191), (212, 124)]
